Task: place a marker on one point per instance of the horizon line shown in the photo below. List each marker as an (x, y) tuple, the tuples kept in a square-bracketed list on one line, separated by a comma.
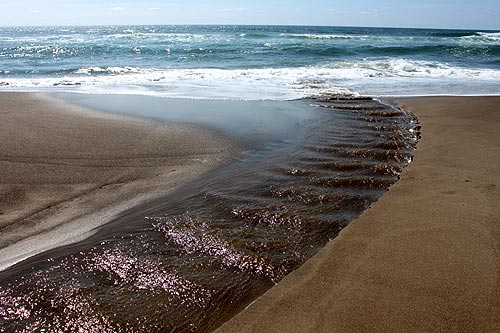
[(248, 25)]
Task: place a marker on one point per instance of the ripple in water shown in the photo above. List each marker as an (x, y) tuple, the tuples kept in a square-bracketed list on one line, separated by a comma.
[(208, 250)]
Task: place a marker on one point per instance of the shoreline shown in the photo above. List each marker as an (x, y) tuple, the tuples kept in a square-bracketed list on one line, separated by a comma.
[(422, 258), (67, 170), (54, 92)]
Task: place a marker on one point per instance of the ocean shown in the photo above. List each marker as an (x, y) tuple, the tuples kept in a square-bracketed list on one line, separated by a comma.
[(249, 62)]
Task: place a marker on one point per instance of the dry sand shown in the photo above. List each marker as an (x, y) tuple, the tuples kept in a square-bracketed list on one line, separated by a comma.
[(65, 170), (425, 257)]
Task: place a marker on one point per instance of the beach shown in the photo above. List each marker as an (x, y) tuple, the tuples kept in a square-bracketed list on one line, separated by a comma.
[(422, 258), (66, 170), (161, 178)]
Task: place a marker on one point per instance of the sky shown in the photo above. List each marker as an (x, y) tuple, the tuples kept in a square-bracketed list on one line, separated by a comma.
[(460, 14)]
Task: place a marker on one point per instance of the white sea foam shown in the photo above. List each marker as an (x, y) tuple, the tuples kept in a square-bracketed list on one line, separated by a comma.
[(401, 76), (178, 37), (494, 36), (409, 68), (326, 36), (113, 70), (481, 38)]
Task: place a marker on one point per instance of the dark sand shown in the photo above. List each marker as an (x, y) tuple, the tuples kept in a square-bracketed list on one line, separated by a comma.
[(425, 257), (65, 170)]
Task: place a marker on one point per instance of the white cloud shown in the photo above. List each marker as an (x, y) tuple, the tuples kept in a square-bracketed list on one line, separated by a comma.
[(369, 12), (152, 9), (117, 9)]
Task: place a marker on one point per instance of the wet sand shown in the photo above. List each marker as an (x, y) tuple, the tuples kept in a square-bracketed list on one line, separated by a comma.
[(65, 170), (424, 257)]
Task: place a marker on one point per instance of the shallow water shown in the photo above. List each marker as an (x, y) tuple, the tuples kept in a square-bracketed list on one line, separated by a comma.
[(191, 260), (254, 123)]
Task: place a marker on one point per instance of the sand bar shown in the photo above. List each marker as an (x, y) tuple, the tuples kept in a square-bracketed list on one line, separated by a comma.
[(65, 170), (425, 257)]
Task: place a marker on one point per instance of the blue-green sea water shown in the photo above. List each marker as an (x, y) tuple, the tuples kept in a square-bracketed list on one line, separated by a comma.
[(249, 62)]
